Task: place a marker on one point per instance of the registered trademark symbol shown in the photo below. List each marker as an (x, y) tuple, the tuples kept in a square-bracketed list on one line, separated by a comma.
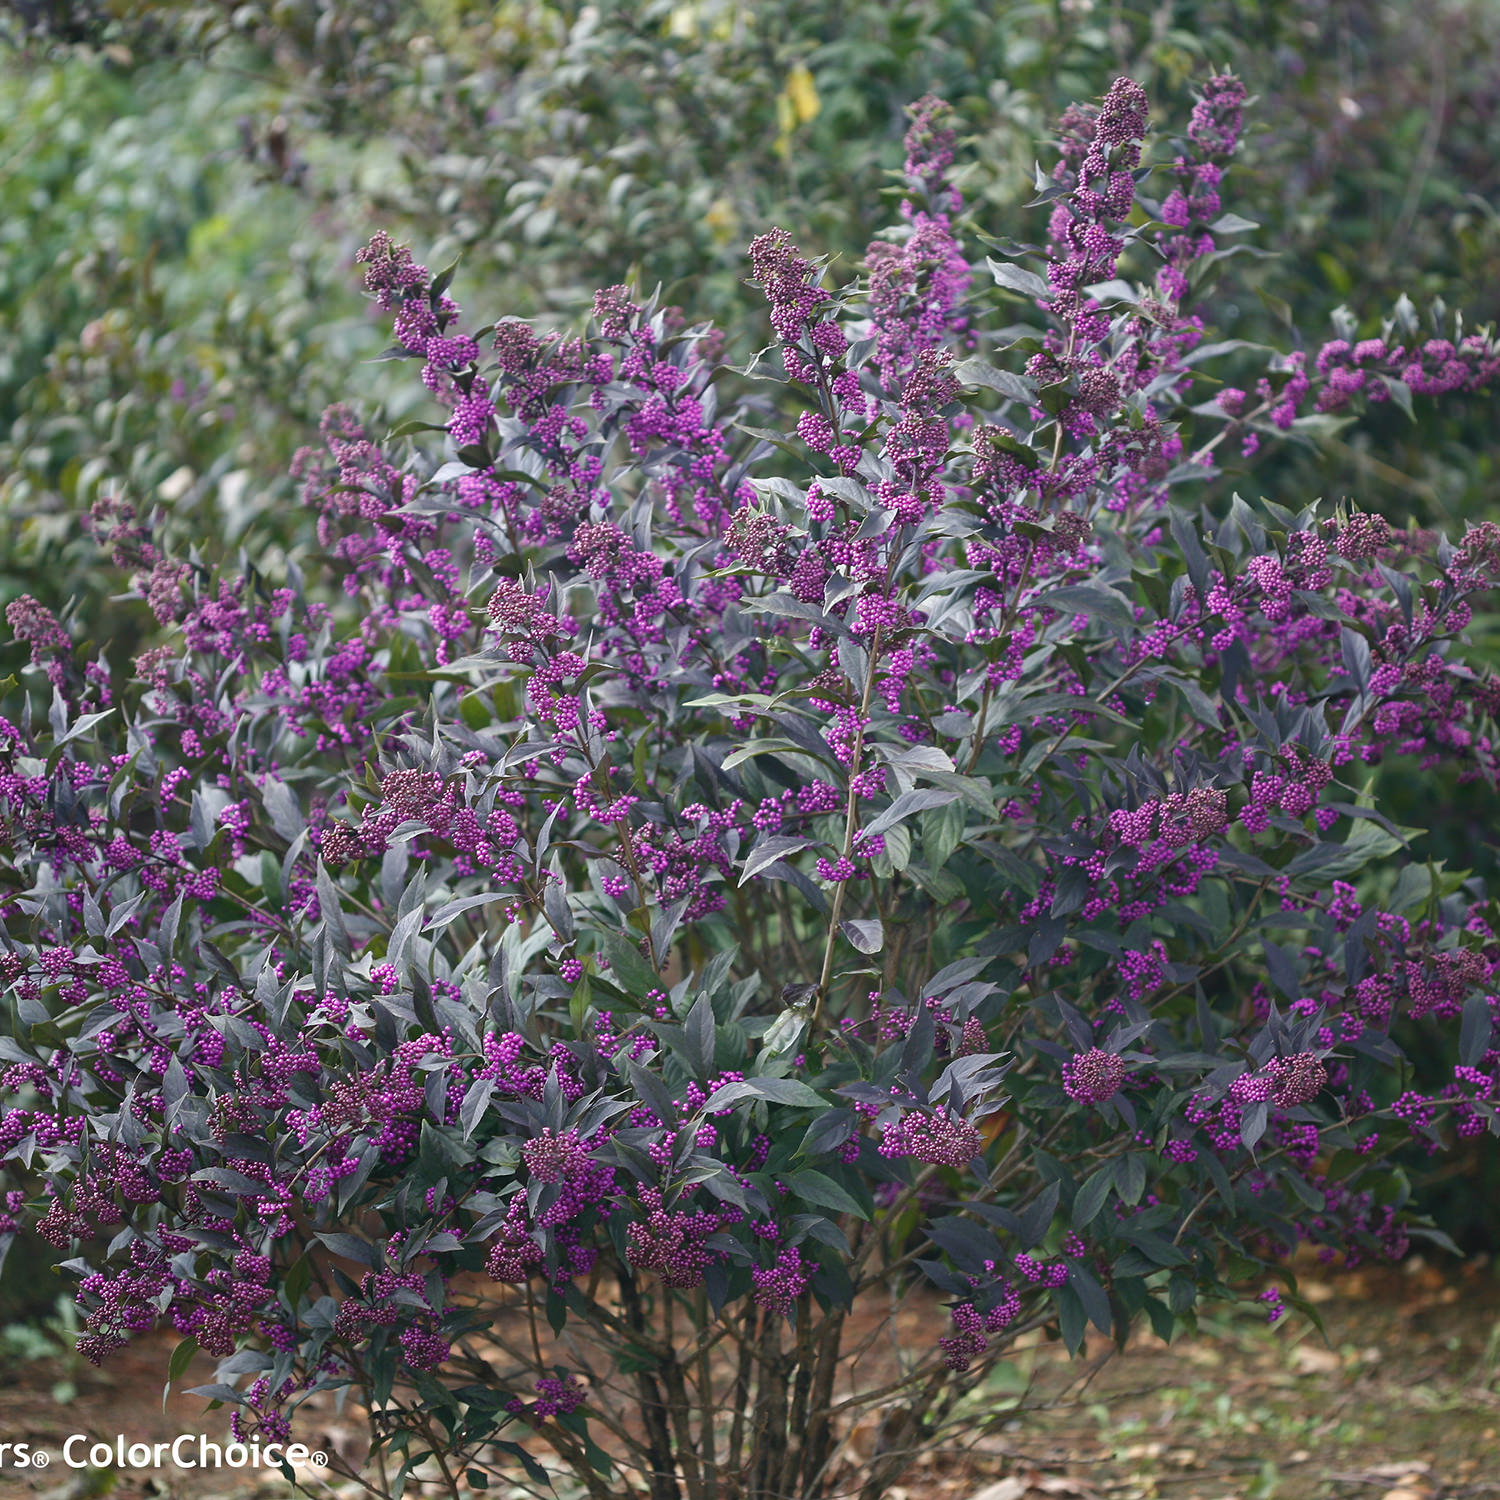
[(318, 1460), (40, 1460)]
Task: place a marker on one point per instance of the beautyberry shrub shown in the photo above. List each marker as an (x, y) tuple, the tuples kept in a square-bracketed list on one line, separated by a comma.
[(697, 854)]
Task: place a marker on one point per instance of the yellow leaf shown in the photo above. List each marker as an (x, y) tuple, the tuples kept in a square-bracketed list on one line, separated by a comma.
[(803, 93), (683, 23), (721, 219), (786, 114)]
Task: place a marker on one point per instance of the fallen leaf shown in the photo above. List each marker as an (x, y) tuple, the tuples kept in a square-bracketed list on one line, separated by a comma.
[(1056, 1484), (1033, 1485), (1313, 1359), (1006, 1489)]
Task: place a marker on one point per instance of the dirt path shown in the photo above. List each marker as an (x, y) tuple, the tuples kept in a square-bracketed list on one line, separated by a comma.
[(1402, 1402)]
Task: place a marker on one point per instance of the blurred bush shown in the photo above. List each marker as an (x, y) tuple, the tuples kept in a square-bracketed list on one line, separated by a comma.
[(183, 184)]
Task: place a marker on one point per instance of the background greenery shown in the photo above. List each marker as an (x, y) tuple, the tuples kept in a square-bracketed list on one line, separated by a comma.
[(182, 188)]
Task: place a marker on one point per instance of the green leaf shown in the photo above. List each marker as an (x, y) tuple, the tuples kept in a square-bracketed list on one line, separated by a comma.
[(534, 1471), (977, 372), (823, 1192), (770, 851), (1093, 1297), (1130, 1176), (1017, 279), (270, 879), (444, 278), (84, 723), (1092, 1196), (905, 805), (411, 428), (451, 910), (1322, 425), (182, 1357), (767, 746), (1304, 1191), (1400, 394), (630, 971), (1162, 1321), (348, 1246), (1367, 842), (1072, 1321), (942, 832), (297, 1281), (865, 934), (791, 608), (1097, 603), (1475, 1030), (778, 1090), (699, 1030)]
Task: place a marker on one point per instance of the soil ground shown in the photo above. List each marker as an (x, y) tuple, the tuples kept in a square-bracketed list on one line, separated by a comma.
[(1401, 1402)]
